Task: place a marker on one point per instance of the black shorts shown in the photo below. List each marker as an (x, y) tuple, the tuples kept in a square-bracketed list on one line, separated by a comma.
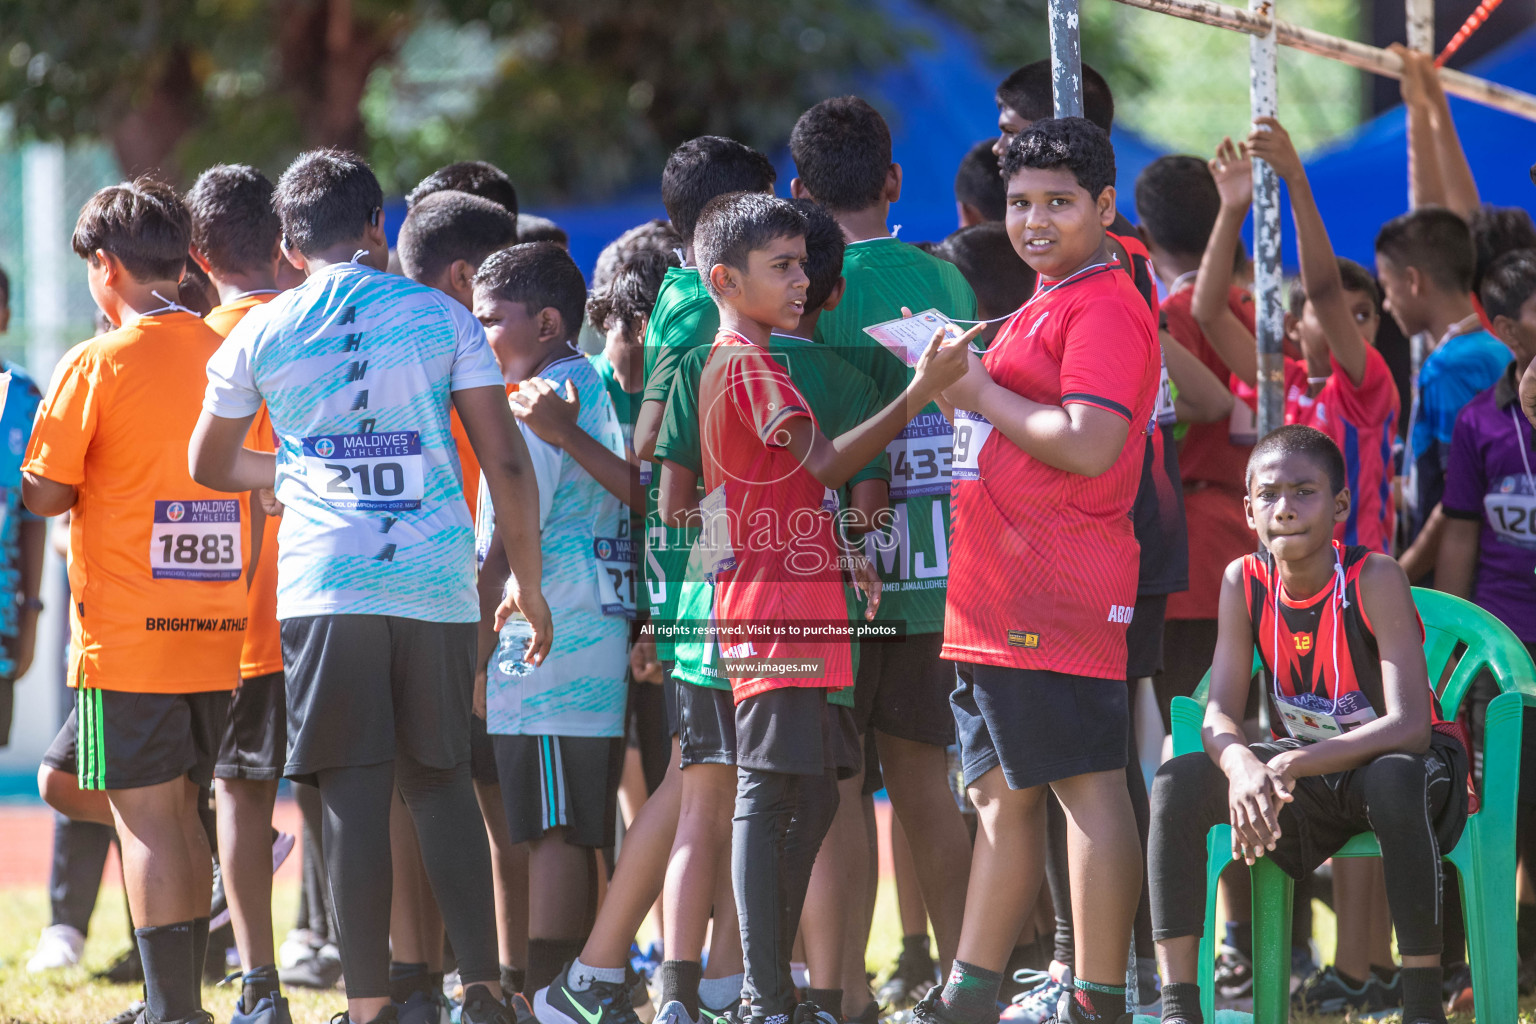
[(565, 782), (706, 724), (1144, 636), (482, 755), (796, 731), (903, 689), (133, 740), (1038, 726), (255, 742), (363, 687), (7, 709)]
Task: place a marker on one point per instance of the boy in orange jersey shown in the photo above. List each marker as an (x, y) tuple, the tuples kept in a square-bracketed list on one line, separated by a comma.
[(235, 237), (157, 611)]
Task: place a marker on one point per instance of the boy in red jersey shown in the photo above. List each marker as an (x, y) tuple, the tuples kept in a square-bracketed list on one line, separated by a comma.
[(1049, 439), (770, 545), (1341, 385), (1359, 744)]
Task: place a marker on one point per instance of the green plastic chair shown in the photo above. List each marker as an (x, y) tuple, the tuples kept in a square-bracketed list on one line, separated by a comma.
[(1484, 857)]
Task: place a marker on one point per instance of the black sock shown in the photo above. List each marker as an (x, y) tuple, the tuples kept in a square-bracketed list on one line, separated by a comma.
[(434, 982), (545, 958), (679, 980), (199, 949), (1384, 974), (1181, 1002), (1092, 1003), (970, 994), (257, 985), (171, 986), (511, 979), (1421, 995), (1240, 937), (829, 999), (406, 979)]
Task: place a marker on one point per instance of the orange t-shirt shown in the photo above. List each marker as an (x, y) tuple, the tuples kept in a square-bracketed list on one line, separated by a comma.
[(468, 464), (263, 651), (156, 561)]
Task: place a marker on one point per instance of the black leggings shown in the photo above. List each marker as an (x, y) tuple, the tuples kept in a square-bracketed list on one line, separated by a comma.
[(1057, 872), (779, 824), (1398, 796), (454, 850)]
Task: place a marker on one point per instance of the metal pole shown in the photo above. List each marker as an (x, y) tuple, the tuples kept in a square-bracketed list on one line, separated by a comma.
[(1066, 59), (1421, 37), (1269, 323), (1345, 51)]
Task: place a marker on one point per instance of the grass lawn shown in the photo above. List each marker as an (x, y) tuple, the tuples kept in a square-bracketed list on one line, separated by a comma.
[(71, 997)]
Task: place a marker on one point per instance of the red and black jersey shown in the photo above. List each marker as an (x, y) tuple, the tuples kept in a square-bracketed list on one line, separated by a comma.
[(1141, 262), (1322, 648)]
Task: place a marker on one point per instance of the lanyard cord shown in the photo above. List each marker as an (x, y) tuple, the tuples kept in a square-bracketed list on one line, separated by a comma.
[(1339, 594), (169, 307), (1525, 458)]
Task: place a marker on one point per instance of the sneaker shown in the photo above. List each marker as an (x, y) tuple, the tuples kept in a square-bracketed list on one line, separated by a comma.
[(127, 969), (129, 1015), (602, 1002), (424, 1008), (386, 1016), (480, 1007), (871, 1015), (1327, 994), (298, 945), (1234, 973), (519, 1009), (674, 1012), (321, 969), (1458, 990), (1149, 987), (1386, 996), (271, 1009), (810, 1013), (1037, 1003), (915, 973), (58, 947)]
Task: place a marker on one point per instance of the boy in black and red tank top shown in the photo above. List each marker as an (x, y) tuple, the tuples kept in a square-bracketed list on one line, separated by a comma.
[(1357, 742)]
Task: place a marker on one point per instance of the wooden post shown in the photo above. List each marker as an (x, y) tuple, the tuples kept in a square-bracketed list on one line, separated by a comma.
[(1066, 59)]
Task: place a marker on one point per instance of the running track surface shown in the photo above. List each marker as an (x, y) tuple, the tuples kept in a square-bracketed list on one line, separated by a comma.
[(26, 844)]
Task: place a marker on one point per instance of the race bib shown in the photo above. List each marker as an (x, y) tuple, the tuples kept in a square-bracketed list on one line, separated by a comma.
[(196, 540), (1511, 515), (365, 472), (1309, 718), (972, 430), (617, 563), (713, 547), (921, 457), (1163, 414), (907, 337), (1243, 425)]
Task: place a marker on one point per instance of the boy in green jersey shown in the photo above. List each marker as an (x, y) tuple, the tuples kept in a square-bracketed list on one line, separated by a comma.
[(842, 153)]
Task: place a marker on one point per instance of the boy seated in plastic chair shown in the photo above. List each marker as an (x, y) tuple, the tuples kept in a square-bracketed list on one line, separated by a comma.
[(1358, 742)]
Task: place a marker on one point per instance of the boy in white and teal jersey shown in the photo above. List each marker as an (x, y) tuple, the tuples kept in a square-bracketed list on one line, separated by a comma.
[(555, 725), (376, 588), (842, 153)]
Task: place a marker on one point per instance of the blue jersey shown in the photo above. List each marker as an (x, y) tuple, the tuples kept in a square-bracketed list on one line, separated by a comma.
[(1452, 375), (579, 689), (356, 367), (21, 403)]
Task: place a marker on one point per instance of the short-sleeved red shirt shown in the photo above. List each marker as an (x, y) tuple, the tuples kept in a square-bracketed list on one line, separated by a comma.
[(1043, 562), (1212, 460), (783, 561), (1363, 422)]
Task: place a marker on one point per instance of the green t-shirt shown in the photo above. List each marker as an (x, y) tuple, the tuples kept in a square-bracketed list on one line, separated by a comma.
[(626, 404), (684, 317), (840, 398), (884, 275)]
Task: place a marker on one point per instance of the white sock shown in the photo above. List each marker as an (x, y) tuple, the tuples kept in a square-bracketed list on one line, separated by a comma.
[(581, 976), (799, 975), (719, 993)]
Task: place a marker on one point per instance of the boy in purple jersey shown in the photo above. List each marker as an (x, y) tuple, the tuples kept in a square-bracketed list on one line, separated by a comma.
[(1488, 551)]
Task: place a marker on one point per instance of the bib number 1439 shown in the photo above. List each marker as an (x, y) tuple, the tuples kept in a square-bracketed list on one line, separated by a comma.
[(195, 540)]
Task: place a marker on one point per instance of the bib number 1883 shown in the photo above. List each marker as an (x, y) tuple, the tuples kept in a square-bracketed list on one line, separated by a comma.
[(195, 540)]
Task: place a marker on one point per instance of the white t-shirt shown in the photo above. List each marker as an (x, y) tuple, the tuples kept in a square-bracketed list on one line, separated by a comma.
[(356, 366)]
